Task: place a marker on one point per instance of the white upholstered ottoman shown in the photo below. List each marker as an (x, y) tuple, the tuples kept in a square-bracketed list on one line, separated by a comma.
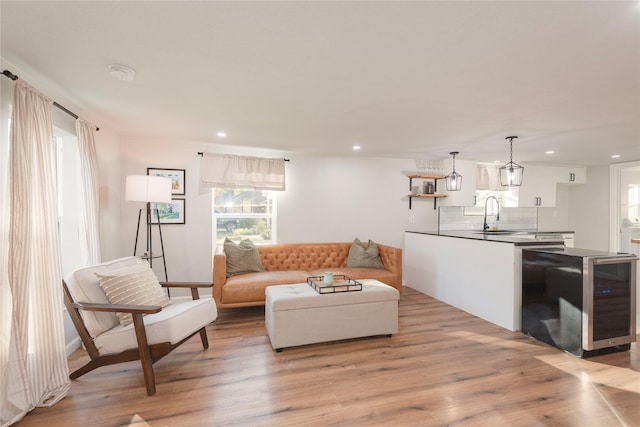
[(298, 315)]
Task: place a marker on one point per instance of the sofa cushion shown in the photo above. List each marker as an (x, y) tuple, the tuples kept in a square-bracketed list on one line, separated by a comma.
[(250, 287), (242, 258), (361, 256), (132, 285)]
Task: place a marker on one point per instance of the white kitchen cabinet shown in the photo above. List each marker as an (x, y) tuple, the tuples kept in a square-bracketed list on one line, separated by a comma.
[(571, 175), (569, 239), (466, 196), (538, 187)]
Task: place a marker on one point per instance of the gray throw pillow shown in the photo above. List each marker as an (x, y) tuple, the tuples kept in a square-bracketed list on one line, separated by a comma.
[(242, 258), (361, 256)]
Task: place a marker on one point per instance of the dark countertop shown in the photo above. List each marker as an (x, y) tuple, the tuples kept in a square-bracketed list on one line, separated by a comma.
[(499, 238), (583, 253)]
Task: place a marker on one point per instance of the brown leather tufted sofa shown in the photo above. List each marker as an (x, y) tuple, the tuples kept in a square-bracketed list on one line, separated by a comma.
[(293, 263)]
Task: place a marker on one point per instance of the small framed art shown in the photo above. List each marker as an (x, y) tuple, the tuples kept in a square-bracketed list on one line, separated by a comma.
[(177, 177), (168, 213)]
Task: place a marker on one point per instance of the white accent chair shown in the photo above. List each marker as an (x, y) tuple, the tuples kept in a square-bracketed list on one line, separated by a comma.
[(154, 333)]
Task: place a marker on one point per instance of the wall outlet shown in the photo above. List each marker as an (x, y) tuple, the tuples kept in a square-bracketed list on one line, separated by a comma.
[(412, 219)]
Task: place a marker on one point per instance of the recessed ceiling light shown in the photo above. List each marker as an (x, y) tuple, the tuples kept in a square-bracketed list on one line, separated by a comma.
[(497, 161), (221, 134), (356, 147), (549, 152), (615, 156), (122, 72)]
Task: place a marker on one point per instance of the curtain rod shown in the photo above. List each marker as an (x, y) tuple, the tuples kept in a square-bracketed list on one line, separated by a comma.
[(200, 153), (12, 76)]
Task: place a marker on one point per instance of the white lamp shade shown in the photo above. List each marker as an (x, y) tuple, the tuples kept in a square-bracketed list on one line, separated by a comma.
[(145, 188)]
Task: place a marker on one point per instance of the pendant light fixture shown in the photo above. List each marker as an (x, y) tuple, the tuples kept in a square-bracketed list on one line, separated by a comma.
[(454, 179), (511, 173)]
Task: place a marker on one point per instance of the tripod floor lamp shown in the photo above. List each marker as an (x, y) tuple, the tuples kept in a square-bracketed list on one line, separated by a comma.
[(149, 189)]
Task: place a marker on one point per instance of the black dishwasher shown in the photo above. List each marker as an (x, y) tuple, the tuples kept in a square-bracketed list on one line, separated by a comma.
[(579, 300)]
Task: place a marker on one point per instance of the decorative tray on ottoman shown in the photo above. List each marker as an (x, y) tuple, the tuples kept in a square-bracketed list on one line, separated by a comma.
[(341, 283)]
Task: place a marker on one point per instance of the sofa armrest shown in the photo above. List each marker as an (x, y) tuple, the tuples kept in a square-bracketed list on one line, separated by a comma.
[(219, 272), (392, 260)]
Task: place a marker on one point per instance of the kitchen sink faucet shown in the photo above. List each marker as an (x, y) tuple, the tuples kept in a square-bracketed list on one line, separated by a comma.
[(485, 226)]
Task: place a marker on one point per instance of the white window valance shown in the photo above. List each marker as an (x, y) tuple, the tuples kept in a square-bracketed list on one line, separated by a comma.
[(231, 171)]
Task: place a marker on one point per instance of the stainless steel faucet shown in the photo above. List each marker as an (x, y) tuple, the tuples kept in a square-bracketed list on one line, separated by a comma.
[(485, 226)]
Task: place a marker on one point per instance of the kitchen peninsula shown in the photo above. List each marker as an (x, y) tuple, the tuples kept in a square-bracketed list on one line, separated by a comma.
[(477, 272)]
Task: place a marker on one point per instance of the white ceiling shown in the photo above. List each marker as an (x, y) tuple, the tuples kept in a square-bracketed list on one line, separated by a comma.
[(401, 79)]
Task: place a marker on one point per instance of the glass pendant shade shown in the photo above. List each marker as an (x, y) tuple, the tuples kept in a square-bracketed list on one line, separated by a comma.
[(454, 179), (511, 174)]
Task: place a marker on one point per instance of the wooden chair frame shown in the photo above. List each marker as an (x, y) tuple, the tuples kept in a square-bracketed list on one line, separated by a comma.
[(147, 354)]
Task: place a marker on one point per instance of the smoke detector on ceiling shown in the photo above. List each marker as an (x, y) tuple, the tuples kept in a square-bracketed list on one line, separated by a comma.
[(122, 72)]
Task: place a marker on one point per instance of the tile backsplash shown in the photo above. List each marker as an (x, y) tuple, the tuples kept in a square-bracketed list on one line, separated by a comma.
[(461, 218)]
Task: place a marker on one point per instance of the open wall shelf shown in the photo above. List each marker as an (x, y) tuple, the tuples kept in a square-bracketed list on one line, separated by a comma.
[(435, 195)]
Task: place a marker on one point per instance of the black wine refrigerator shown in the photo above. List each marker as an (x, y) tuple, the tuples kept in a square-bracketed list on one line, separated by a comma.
[(579, 300)]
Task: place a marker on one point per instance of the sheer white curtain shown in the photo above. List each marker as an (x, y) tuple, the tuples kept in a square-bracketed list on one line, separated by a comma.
[(88, 219), (34, 366), (230, 171)]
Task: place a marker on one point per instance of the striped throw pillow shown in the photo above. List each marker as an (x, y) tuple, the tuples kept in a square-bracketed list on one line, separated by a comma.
[(132, 285)]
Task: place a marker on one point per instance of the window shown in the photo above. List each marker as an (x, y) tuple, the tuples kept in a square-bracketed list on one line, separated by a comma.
[(68, 163), (634, 201), (507, 198), (241, 213), (67, 171)]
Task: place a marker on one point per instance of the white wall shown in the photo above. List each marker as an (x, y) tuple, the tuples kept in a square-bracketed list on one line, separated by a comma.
[(335, 199), (557, 217), (328, 199), (188, 247), (589, 210)]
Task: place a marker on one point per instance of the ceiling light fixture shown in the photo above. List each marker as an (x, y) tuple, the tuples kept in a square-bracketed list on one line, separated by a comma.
[(454, 179), (511, 173), (549, 152), (221, 134), (615, 156), (122, 72), (356, 147)]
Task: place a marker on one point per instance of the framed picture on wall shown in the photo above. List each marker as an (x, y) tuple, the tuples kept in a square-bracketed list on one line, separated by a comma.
[(175, 175), (168, 213)]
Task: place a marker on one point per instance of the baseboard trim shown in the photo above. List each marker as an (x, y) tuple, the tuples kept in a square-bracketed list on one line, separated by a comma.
[(72, 346)]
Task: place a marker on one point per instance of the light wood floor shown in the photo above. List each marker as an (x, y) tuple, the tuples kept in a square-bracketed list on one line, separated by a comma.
[(444, 367)]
